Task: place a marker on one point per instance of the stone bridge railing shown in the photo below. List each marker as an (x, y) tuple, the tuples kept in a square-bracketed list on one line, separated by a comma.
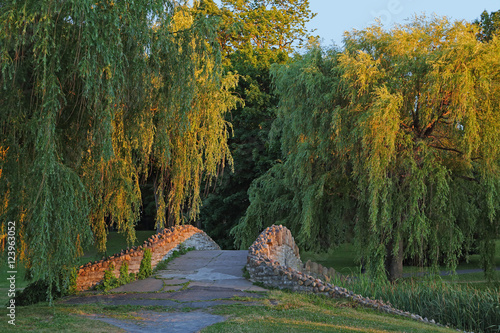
[(160, 245), (274, 260)]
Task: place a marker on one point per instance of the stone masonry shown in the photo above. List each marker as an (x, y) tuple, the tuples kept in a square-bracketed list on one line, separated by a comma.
[(161, 245), (273, 259)]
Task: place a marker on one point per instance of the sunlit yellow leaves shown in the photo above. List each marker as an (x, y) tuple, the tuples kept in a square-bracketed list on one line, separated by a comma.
[(382, 126), (182, 19), (362, 70)]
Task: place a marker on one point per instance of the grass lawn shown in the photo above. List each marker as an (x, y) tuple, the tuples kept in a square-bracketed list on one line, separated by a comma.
[(277, 312), (343, 259), (115, 243), (43, 318), (291, 312)]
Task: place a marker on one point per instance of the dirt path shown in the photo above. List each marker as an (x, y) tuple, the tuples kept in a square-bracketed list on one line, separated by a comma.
[(197, 280)]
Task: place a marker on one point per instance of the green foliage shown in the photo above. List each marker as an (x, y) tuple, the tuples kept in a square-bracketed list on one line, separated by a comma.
[(246, 274), (424, 129), (72, 281), (489, 25), (304, 191), (254, 35), (450, 304), (109, 281), (94, 97), (36, 292), (125, 277), (145, 269), (262, 24), (394, 140), (42, 290)]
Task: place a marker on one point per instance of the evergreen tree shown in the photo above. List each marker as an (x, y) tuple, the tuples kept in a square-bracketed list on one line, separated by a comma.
[(488, 23)]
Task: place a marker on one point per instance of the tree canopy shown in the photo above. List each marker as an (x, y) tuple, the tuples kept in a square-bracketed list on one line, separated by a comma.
[(262, 24), (96, 96), (253, 35), (489, 24), (397, 133)]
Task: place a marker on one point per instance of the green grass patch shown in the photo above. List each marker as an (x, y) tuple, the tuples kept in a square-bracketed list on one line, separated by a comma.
[(72, 318), (115, 243), (342, 259), (291, 312), (279, 311), (467, 301), (45, 318)]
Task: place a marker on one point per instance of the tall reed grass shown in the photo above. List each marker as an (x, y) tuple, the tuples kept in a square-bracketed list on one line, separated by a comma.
[(462, 307)]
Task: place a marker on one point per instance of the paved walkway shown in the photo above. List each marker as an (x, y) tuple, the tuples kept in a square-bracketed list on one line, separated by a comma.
[(197, 280)]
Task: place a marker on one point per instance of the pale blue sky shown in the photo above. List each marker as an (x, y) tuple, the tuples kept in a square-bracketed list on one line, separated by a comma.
[(334, 17)]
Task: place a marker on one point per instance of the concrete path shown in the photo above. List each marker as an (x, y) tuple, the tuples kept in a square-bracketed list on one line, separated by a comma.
[(197, 280), (156, 322), (221, 269)]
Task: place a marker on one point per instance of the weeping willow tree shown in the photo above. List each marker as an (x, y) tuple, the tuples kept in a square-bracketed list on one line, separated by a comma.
[(304, 190), (409, 117), (96, 96)]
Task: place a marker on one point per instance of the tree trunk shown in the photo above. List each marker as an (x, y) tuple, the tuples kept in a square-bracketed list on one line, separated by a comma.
[(155, 189), (394, 263)]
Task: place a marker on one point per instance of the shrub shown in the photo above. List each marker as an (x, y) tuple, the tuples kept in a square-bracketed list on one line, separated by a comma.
[(145, 269), (41, 290), (109, 281), (73, 275), (125, 277), (36, 292)]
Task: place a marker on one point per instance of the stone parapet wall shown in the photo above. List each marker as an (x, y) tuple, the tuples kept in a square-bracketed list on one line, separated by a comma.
[(319, 271), (161, 245), (266, 264), (276, 243)]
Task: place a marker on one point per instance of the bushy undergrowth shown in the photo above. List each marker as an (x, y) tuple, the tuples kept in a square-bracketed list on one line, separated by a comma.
[(462, 307), (125, 277), (109, 280), (38, 291)]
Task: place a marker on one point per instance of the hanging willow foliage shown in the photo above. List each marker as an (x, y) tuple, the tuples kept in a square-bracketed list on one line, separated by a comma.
[(94, 96), (305, 190), (410, 118)]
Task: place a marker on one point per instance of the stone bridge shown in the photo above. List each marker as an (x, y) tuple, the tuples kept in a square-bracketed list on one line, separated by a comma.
[(278, 246), (209, 276)]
